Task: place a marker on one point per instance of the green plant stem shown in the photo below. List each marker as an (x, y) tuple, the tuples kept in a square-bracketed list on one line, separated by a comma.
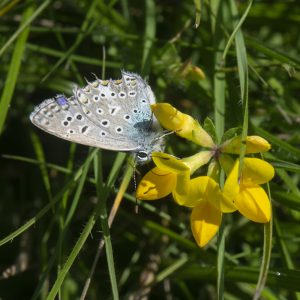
[(102, 193), (15, 63)]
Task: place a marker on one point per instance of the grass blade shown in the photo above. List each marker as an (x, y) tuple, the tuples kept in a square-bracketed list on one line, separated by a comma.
[(15, 64), (150, 30)]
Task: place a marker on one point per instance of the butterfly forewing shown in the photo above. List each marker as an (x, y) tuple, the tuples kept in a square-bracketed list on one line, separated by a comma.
[(117, 105), (64, 118)]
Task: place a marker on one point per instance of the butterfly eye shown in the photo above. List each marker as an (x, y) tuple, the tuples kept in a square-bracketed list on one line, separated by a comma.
[(142, 157)]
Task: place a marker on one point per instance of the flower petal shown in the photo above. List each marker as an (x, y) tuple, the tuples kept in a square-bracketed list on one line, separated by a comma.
[(182, 124), (169, 162), (198, 160), (231, 186), (256, 171), (181, 191), (191, 192), (205, 222), (254, 144), (254, 204), (156, 184)]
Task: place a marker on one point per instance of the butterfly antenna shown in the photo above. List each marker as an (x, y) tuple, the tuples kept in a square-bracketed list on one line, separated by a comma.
[(95, 76), (166, 133), (136, 209), (86, 80)]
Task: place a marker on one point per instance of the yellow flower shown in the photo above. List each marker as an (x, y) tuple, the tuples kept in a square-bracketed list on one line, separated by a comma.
[(254, 144), (205, 197), (156, 184), (182, 124), (203, 194), (205, 222), (161, 180), (172, 175), (246, 193)]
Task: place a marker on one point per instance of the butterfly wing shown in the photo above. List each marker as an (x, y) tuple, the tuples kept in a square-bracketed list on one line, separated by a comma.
[(122, 105), (112, 115), (64, 118)]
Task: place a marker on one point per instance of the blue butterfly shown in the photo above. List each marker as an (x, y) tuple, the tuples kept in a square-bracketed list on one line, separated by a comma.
[(108, 114)]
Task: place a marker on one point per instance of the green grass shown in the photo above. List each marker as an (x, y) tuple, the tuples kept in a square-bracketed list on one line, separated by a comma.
[(67, 214)]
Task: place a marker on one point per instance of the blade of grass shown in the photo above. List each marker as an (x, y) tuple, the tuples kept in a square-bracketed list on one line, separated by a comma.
[(86, 28), (56, 256), (220, 10), (276, 141), (119, 197), (221, 261), (78, 192), (15, 63), (74, 253), (39, 152), (8, 7), (75, 57), (184, 258), (36, 162), (290, 200), (197, 4), (267, 251), (102, 192), (271, 52), (44, 210), (243, 77), (236, 29), (32, 15), (242, 62), (37, 217), (149, 36), (285, 279), (90, 224)]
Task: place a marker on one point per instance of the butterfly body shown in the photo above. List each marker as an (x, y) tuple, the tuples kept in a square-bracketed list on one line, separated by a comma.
[(108, 114)]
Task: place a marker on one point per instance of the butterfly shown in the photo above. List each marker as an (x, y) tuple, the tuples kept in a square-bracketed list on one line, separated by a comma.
[(108, 114)]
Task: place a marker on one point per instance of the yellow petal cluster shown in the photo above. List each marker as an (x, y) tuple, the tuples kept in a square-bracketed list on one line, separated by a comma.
[(241, 191), (254, 144), (182, 124)]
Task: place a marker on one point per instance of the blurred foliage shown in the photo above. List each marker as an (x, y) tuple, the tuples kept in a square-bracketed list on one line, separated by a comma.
[(65, 45)]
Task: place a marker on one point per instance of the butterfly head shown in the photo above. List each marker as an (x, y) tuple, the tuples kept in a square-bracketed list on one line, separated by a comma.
[(144, 155)]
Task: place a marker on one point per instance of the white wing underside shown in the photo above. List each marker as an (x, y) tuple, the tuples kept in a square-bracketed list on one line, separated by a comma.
[(105, 114)]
